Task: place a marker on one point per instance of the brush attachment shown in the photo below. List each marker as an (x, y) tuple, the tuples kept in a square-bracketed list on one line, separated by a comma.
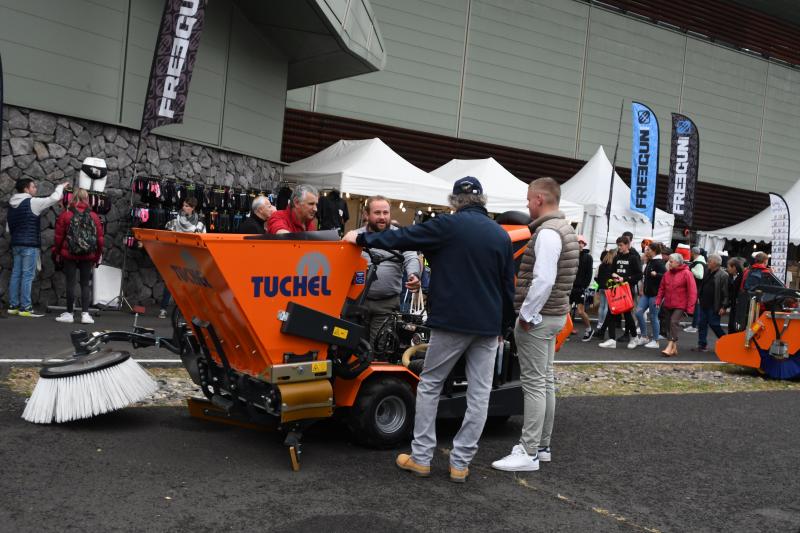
[(87, 386)]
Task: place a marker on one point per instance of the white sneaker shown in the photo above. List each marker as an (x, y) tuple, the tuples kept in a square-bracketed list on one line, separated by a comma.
[(517, 461), (633, 343), (610, 343), (86, 318), (545, 455), (643, 341), (690, 329), (66, 318), (652, 344)]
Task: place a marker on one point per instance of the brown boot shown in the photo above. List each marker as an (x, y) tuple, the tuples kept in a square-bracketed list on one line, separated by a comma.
[(405, 462)]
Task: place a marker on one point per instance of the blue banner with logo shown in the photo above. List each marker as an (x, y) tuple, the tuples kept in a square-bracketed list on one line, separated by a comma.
[(644, 160)]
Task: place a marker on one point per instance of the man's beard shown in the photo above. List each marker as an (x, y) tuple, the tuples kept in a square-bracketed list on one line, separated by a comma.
[(374, 228)]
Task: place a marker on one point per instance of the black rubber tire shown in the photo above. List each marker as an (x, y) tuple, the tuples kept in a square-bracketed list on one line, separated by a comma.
[(369, 412)]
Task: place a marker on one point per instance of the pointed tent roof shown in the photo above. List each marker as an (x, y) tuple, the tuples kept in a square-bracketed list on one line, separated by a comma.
[(758, 228), (368, 167), (589, 187), (504, 191)]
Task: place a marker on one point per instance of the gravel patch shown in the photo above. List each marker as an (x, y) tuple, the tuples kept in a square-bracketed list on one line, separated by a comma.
[(175, 386)]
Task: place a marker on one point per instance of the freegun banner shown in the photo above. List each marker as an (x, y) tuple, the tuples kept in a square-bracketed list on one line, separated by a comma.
[(683, 163), (780, 235), (644, 161), (173, 62)]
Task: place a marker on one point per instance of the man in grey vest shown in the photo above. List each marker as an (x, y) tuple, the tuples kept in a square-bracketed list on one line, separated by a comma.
[(544, 281), (23, 222)]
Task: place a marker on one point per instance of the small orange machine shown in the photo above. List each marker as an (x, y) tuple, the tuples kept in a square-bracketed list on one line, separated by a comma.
[(770, 340), (273, 336)]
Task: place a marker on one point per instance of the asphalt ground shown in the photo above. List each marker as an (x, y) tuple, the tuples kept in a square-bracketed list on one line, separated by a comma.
[(41, 338), (721, 462)]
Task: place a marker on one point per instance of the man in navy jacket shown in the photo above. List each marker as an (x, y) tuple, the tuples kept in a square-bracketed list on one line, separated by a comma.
[(470, 306)]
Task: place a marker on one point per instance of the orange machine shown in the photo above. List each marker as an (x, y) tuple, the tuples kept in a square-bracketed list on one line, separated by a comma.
[(274, 336), (770, 340)]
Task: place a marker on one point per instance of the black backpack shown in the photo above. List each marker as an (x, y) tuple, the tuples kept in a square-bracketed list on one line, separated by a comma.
[(82, 233)]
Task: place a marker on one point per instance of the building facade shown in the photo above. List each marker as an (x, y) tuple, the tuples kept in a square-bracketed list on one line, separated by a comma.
[(75, 78), (538, 84)]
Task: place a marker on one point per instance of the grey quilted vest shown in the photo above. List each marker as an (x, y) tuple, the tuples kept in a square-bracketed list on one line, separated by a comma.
[(558, 302)]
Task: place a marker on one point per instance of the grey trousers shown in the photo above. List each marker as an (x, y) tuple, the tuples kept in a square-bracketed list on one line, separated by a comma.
[(379, 311), (536, 349), (444, 351)]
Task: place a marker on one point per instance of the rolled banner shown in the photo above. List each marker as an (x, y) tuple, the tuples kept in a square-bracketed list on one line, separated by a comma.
[(644, 161), (173, 62), (684, 160), (780, 235)]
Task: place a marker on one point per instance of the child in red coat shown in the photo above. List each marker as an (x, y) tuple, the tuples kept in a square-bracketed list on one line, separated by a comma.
[(79, 250)]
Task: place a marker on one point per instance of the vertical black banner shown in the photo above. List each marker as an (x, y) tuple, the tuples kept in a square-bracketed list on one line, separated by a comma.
[(683, 163), (173, 62)]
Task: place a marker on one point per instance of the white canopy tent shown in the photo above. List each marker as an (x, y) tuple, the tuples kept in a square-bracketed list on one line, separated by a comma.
[(589, 187), (369, 167), (757, 228), (504, 191)]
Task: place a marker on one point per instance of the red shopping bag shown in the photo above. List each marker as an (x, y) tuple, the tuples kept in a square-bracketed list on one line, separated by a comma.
[(620, 299)]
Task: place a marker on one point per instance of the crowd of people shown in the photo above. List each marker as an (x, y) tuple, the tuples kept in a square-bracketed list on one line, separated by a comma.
[(478, 296), (666, 289)]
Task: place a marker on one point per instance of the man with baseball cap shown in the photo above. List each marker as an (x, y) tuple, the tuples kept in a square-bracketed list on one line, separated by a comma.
[(471, 305)]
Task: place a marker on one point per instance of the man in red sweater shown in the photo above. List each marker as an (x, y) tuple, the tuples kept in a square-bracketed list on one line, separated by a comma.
[(299, 215)]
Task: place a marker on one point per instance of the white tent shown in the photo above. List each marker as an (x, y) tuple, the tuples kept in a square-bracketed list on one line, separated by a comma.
[(504, 191), (589, 187), (369, 167), (757, 228)]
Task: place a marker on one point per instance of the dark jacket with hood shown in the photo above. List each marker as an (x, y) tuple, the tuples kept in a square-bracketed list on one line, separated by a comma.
[(584, 276), (628, 266), (651, 283), (472, 269)]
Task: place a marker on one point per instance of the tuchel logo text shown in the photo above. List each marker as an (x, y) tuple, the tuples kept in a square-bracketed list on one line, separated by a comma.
[(313, 270), (190, 273)]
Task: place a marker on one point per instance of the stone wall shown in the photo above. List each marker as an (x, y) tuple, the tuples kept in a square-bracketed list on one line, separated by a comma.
[(50, 148)]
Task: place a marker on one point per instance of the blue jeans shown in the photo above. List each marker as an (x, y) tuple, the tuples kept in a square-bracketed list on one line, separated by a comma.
[(707, 318), (648, 302), (602, 309), (22, 274)]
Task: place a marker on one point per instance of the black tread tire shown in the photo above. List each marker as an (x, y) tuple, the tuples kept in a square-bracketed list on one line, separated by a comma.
[(361, 419)]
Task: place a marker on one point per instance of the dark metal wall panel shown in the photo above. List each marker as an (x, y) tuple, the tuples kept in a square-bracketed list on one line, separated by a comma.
[(306, 133), (721, 21)]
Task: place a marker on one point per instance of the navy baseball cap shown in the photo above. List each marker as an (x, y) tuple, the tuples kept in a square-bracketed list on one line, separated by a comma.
[(467, 185)]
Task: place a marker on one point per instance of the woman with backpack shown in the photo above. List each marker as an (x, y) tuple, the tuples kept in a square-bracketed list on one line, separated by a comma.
[(78, 246)]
